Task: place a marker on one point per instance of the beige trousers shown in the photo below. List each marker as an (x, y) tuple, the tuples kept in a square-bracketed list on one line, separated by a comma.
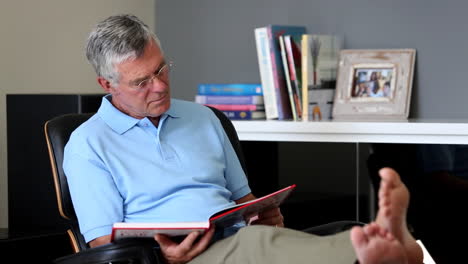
[(266, 244)]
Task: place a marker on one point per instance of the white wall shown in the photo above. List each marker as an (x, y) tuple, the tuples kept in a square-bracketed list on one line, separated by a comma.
[(41, 51)]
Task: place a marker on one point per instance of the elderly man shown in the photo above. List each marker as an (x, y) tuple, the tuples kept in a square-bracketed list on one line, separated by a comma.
[(144, 157)]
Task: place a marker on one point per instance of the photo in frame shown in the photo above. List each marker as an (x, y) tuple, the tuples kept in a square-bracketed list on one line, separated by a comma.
[(374, 84)]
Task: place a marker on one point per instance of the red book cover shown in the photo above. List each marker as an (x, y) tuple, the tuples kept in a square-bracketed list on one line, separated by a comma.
[(224, 218)]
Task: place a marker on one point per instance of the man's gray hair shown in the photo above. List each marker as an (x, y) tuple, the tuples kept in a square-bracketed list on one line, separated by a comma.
[(114, 40)]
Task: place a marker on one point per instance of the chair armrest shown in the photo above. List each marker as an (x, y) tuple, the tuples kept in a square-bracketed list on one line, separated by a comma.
[(140, 250)]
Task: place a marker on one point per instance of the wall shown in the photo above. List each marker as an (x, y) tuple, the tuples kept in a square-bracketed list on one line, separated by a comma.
[(213, 41), (42, 52)]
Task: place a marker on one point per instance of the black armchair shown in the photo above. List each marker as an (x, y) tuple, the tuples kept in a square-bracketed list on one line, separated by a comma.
[(140, 250)]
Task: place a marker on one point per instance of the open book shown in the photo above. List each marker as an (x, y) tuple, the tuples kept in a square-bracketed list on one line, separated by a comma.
[(221, 219)]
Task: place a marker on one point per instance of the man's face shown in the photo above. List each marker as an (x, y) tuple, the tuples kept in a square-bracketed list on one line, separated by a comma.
[(152, 97)]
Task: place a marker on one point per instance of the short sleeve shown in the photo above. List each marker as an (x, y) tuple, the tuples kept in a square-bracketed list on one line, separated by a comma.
[(95, 198)]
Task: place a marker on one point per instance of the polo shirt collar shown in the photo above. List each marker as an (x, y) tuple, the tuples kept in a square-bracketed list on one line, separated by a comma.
[(121, 122)]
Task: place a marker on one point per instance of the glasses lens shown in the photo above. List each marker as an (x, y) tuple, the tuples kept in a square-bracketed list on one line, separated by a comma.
[(164, 69), (161, 74), (144, 84)]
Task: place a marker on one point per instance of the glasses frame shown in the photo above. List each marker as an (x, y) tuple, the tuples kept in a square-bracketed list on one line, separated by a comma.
[(144, 84)]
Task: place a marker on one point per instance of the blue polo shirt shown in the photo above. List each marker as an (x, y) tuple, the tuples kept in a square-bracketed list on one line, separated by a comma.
[(122, 169)]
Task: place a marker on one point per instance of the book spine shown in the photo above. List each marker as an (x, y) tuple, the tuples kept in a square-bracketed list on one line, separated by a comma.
[(221, 99), (288, 79), (235, 107), (304, 74), (229, 89), (266, 72), (284, 108), (293, 61), (244, 115)]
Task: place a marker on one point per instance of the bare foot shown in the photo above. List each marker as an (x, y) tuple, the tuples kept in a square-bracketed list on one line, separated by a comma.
[(393, 205), (375, 245)]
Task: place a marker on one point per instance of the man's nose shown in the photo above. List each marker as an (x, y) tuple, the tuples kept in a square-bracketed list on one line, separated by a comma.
[(158, 85)]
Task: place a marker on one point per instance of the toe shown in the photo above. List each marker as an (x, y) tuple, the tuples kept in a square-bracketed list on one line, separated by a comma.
[(371, 229), (358, 237), (389, 176)]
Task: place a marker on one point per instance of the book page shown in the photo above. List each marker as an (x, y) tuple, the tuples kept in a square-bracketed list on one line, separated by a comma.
[(124, 230), (249, 209)]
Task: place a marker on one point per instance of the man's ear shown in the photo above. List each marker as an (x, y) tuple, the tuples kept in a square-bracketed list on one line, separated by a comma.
[(105, 84)]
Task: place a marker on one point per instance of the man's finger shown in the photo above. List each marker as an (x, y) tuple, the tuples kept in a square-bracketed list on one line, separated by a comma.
[(186, 244), (164, 241), (201, 245), (270, 213)]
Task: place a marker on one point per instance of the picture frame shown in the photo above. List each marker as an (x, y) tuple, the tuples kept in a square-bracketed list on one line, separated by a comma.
[(374, 84)]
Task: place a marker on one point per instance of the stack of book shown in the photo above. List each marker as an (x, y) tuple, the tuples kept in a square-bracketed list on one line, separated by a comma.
[(292, 63), (238, 101)]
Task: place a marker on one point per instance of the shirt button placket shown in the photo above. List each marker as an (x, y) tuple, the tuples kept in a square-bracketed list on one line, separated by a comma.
[(158, 142)]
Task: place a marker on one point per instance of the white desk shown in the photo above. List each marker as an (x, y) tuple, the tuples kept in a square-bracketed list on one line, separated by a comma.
[(413, 131)]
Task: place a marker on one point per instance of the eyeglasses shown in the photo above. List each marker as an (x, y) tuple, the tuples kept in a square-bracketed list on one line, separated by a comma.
[(161, 74)]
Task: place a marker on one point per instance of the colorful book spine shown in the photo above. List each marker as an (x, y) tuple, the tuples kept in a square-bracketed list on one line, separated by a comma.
[(294, 61), (239, 107), (225, 99), (288, 78), (304, 71), (230, 89), (274, 31), (245, 115)]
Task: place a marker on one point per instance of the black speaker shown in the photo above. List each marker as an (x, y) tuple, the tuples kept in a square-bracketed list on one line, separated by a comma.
[(32, 204)]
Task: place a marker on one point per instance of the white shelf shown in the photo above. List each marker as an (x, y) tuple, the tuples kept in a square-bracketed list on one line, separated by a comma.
[(413, 131)]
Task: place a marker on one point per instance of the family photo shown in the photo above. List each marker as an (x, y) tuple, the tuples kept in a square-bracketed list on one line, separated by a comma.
[(374, 83)]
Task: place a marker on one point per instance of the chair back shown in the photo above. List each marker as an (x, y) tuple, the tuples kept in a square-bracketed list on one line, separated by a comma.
[(58, 131), (232, 135)]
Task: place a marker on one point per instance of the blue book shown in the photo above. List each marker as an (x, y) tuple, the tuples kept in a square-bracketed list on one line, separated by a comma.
[(245, 115), (230, 89), (233, 100)]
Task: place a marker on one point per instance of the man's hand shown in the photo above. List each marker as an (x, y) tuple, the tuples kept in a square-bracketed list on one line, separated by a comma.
[(175, 253), (272, 217)]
